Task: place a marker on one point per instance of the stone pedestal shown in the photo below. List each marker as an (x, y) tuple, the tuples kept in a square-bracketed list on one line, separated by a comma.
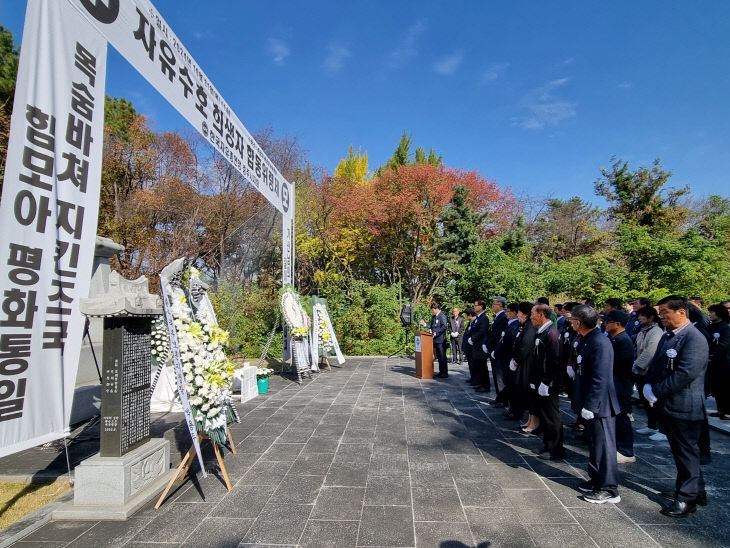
[(114, 488)]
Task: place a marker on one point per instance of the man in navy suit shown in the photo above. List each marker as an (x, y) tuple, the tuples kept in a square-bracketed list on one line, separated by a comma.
[(547, 370), (439, 324), (466, 347), (478, 340), (504, 354), (595, 396), (675, 382), (499, 366)]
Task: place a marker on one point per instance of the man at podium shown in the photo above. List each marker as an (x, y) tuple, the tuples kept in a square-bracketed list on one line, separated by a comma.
[(438, 328)]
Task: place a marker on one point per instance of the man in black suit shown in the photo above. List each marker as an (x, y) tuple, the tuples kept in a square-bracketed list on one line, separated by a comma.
[(548, 371), (439, 324), (499, 366), (596, 398), (504, 353), (623, 381), (675, 383), (478, 340), (466, 347), (456, 328)]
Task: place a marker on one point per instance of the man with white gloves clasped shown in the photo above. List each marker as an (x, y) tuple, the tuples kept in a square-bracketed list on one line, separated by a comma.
[(596, 398)]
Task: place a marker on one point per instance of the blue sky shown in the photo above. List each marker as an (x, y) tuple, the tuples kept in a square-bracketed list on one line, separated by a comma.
[(535, 95)]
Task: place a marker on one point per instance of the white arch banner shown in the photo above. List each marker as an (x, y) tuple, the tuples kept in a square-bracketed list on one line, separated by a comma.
[(49, 208)]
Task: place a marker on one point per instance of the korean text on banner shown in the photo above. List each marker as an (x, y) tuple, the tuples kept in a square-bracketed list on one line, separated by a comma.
[(137, 31), (48, 221)]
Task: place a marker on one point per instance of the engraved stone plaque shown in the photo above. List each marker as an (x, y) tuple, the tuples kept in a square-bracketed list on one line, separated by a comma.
[(125, 403)]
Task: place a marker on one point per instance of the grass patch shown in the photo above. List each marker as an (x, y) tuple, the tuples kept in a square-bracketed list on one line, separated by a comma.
[(20, 499)]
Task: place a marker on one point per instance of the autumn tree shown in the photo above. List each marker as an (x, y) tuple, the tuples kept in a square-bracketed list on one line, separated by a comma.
[(9, 56)]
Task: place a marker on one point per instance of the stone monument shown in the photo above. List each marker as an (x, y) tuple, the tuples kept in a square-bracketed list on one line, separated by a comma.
[(130, 468)]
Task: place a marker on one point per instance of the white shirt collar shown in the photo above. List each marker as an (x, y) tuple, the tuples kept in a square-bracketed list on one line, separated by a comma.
[(545, 326), (512, 321), (498, 313)]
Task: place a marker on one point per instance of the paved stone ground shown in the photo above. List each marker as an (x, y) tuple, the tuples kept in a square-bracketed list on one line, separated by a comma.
[(368, 455)]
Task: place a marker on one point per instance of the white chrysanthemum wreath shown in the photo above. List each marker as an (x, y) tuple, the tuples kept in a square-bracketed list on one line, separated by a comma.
[(208, 372), (294, 314), (325, 341)]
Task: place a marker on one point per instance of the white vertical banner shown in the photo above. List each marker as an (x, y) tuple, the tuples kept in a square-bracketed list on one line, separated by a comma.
[(287, 242), (48, 220)]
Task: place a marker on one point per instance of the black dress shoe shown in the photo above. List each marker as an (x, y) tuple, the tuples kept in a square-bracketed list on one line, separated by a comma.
[(498, 405), (680, 509), (548, 456), (442, 376), (671, 494)]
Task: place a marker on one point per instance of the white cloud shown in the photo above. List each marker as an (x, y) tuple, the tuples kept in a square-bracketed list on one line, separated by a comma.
[(625, 85), (492, 73), (568, 61), (278, 49), (337, 54), (449, 64), (544, 107), (407, 47)]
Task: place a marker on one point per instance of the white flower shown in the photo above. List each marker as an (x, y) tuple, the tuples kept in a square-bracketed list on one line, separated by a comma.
[(580, 359), (716, 335), (671, 353), (199, 380)]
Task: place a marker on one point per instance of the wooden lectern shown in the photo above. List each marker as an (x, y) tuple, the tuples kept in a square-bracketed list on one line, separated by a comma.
[(424, 355)]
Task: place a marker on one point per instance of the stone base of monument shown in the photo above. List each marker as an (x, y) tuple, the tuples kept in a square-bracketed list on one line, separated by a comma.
[(114, 488)]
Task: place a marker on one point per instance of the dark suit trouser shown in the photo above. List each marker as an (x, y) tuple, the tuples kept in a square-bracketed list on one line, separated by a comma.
[(704, 441), (499, 373), (456, 355), (481, 371), (552, 424), (439, 349), (624, 435), (602, 467), (683, 439)]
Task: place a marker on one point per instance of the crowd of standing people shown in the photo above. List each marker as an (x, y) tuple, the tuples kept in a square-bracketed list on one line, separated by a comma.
[(673, 353)]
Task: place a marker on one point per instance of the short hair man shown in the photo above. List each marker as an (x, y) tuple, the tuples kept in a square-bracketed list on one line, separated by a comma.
[(623, 380), (676, 384), (596, 398), (478, 339), (499, 366), (466, 346), (439, 324), (549, 372)]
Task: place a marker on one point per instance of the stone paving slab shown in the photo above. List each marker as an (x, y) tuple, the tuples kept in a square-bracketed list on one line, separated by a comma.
[(368, 455)]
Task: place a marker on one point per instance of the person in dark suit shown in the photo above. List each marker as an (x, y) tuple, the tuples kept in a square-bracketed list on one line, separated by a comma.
[(504, 354), (676, 384), (596, 397), (438, 327), (523, 352), (718, 369), (478, 339), (623, 381), (499, 367), (456, 328), (466, 346), (549, 374)]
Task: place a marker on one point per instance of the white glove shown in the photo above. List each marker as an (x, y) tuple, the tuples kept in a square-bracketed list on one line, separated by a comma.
[(543, 390), (571, 372), (587, 415), (454, 333), (484, 348), (493, 356), (532, 386), (649, 395), (512, 366), (470, 342)]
